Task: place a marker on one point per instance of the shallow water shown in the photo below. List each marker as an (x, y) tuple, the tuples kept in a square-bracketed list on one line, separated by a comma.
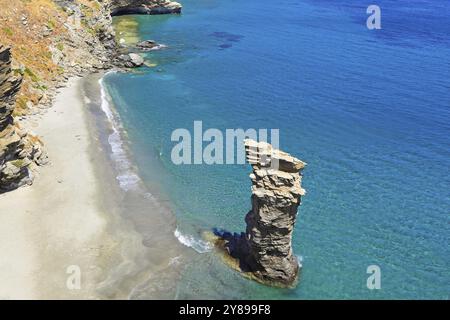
[(367, 110)]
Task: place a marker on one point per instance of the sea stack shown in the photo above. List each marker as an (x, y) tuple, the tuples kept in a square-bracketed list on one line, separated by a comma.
[(264, 252), (276, 196)]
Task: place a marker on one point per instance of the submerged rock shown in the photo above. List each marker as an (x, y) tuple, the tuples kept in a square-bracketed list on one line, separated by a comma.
[(264, 252)]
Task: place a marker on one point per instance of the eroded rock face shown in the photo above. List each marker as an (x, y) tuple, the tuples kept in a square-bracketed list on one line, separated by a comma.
[(18, 150), (276, 196), (122, 7), (9, 86), (88, 43), (264, 252)]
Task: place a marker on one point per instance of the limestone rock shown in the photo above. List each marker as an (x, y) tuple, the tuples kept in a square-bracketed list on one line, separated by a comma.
[(264, 252)]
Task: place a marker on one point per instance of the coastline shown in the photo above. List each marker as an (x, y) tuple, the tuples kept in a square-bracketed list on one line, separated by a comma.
[(60, 220), (154, 259), (77, 214), (72, 215)]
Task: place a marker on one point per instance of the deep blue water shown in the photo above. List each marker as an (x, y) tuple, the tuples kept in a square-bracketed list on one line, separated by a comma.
[(368, 110)]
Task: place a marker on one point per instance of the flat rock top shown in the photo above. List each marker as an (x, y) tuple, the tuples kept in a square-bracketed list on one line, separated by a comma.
[(262, 154)]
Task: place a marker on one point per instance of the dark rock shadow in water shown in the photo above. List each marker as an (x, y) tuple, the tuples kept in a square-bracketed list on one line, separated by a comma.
[(229, 39)]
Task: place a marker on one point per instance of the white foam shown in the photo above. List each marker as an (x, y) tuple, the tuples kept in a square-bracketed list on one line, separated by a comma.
[(300, 261), (128, 179), (158, 47), (189, 241)]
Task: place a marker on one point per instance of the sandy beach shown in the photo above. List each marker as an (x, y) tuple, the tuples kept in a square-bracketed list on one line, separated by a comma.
[(58, 224), (75, 217)]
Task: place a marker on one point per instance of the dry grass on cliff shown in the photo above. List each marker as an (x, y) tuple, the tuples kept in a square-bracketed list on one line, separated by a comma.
[(30, 27), (22, 24)]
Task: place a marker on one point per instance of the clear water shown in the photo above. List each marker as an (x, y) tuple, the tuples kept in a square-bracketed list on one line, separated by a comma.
[(367, 110)]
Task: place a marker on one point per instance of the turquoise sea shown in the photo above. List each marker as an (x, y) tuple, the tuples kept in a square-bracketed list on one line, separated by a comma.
[(368, 110)]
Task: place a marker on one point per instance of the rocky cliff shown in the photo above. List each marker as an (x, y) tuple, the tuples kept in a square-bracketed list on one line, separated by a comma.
[(18, 150), (48, 46), (51, 41), (264, 252)]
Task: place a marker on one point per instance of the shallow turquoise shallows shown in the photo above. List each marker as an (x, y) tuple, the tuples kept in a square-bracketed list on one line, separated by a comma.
[(368, 110)]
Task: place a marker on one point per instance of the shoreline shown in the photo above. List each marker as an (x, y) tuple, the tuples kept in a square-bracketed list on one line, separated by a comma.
[(153, 267), (73, 216), (76, 214), (60, 220), (77, 211)]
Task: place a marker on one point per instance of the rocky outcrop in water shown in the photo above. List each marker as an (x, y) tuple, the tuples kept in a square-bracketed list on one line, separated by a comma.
[(264, 252), (19, 150), (122, 7), (130, 60), (150, 45)]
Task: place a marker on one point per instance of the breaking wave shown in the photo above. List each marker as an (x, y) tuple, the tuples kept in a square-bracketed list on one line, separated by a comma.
[(300, 261), (189, 241), (128, 180)]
